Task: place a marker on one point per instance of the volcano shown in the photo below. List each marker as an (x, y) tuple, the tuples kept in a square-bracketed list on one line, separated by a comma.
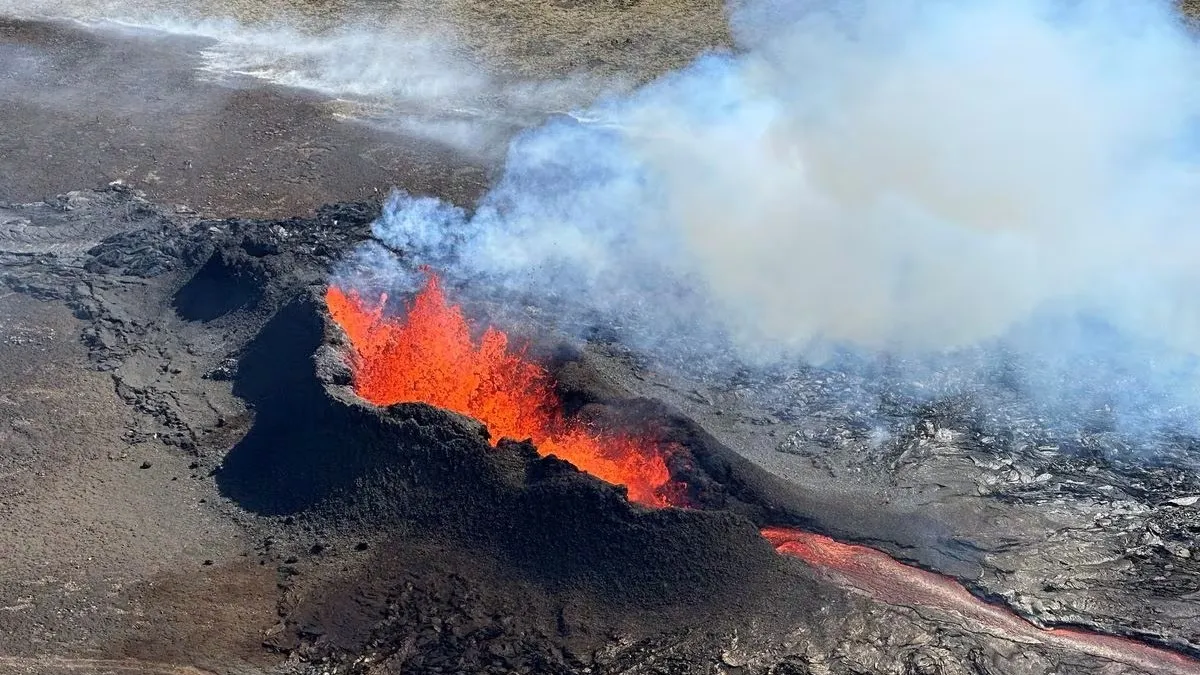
[(429, 495), (238, 440)]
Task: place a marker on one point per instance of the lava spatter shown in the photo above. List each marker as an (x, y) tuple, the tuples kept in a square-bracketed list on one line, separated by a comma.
[(428, 356)]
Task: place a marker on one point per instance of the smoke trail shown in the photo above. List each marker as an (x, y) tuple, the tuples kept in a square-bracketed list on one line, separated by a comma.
[(414, 79), (407, 75), (406, 72), (920, 177)]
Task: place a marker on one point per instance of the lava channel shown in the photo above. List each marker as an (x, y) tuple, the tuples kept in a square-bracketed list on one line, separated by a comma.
[(428, 356), (885, 579)]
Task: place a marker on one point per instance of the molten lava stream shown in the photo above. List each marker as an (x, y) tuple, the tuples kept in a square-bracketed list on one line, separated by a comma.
[(428, 356), (880, 576)]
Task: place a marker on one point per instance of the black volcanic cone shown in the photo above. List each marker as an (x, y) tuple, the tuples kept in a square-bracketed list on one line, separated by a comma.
[(317, 448)]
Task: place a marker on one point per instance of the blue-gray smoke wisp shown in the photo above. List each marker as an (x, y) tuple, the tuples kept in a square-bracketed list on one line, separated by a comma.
[(1005, 189)]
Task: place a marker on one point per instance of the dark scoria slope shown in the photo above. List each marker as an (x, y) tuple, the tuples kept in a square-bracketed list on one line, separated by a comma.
[(401, 541)]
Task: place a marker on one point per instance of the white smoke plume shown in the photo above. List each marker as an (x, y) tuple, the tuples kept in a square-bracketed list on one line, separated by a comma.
[(903, 176)]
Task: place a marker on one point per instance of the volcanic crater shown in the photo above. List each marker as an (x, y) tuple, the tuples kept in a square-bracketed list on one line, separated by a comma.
[(406, 537)]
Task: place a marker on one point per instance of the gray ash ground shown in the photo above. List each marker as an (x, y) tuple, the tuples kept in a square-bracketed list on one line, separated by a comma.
[(238, 509)]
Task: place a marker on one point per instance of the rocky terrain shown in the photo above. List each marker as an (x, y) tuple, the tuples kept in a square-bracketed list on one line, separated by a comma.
[(190, 485)]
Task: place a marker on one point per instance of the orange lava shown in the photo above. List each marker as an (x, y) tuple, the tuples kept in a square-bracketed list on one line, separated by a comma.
[(814, 549), (428, 356), (883, 578)]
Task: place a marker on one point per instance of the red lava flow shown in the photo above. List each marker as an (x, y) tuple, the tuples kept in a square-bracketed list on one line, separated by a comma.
[(885, 579)]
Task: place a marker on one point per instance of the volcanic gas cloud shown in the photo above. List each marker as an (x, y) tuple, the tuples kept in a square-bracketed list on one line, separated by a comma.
[(429, 356)]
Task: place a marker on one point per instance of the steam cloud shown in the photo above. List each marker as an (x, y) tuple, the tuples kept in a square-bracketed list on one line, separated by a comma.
[(406, 72), (963, 183), (919, 177), (410, 77)]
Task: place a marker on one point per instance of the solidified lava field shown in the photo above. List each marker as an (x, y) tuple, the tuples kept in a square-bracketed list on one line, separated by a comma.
[(403, 538)]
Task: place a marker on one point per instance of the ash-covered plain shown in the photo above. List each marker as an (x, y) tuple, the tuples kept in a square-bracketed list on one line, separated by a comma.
[(398, 539)]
